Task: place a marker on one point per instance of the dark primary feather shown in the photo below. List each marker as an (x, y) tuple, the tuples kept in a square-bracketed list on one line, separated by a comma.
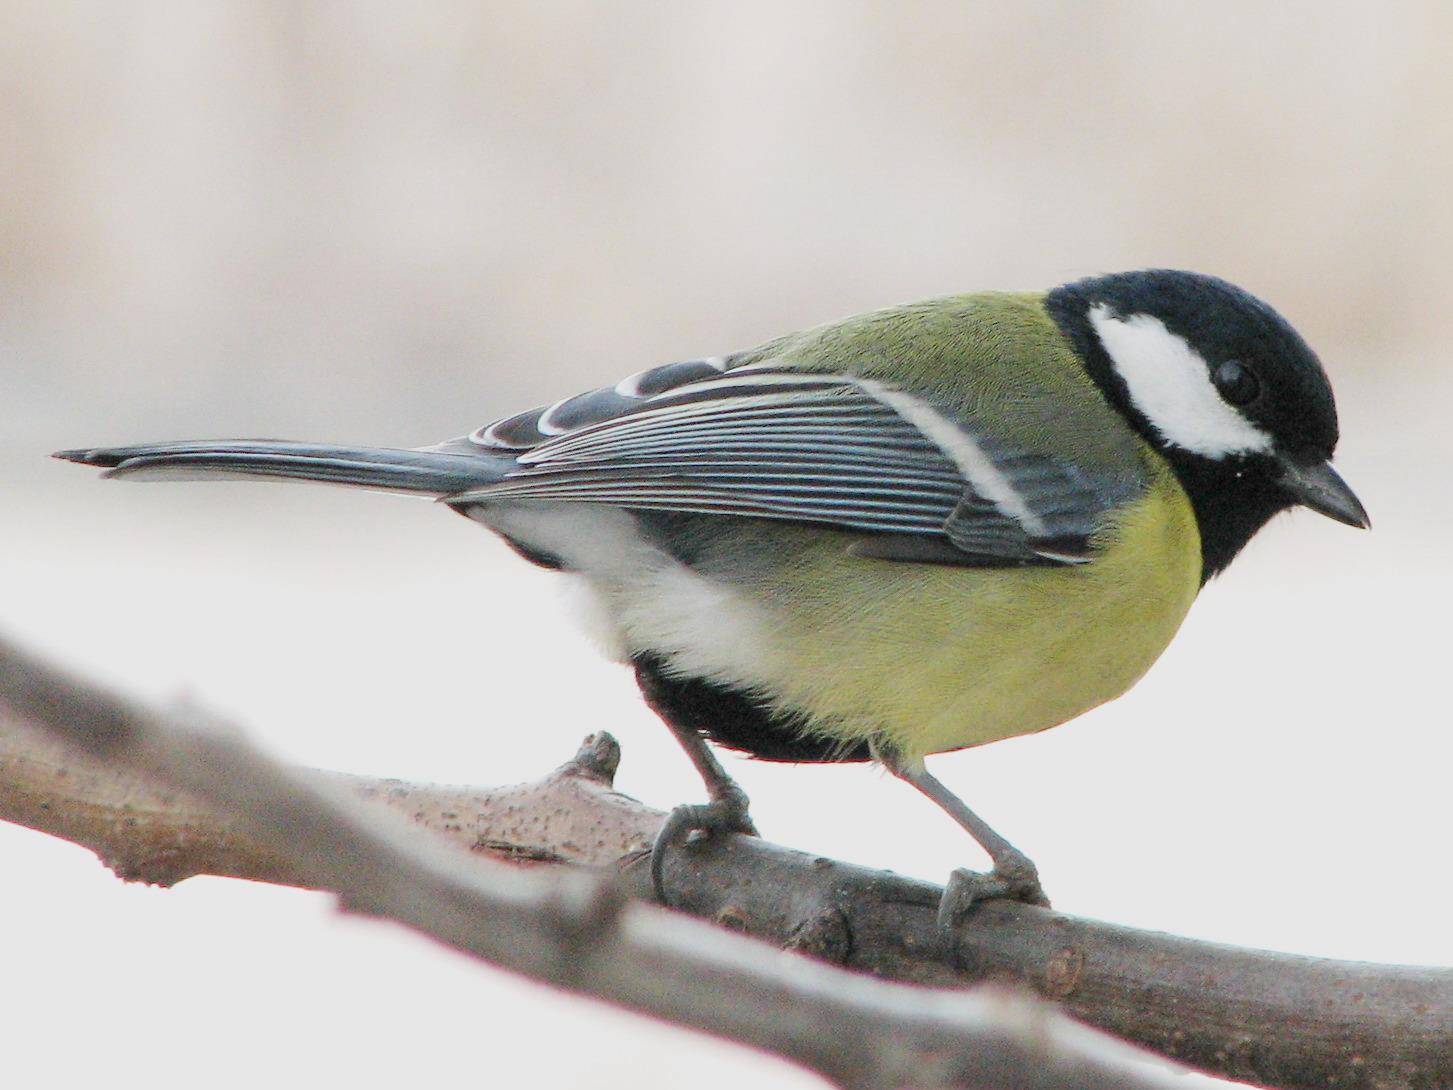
[(790, 455), (771, 442)]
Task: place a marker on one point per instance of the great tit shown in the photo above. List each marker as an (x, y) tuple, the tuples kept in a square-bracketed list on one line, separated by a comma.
[(907, 532)]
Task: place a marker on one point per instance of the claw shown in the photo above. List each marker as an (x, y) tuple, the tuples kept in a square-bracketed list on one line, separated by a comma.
[(1014, 878), (688, 824)]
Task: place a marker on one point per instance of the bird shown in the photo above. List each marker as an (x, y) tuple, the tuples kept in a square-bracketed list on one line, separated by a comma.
[(911, 531)]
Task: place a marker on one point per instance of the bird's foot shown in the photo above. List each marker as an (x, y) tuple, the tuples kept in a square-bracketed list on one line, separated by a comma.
[(726, 813), (1014, 878)]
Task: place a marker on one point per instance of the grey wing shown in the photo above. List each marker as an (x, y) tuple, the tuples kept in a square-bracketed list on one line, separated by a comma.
[(765, 441)]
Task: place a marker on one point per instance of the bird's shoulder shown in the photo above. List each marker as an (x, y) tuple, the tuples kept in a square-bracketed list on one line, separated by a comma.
[(959, 431), (997, 363)]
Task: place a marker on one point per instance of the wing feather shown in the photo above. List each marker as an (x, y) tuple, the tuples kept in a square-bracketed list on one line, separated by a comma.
[(769, 442)]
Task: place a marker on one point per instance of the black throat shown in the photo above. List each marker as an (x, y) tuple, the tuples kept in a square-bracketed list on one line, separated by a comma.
[(1232, 498)]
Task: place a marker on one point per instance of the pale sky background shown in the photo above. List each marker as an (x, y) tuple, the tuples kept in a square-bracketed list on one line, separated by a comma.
[(388, 223)]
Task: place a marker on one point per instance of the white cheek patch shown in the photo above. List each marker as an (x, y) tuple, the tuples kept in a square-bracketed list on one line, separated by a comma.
[(1171, 385)]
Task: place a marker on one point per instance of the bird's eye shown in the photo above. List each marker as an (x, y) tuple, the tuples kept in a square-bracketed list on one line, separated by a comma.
[(1237, 382)]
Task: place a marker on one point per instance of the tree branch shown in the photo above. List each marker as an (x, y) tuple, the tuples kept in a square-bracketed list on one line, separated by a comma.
[(147, 832), (1275, 1019), (577, 929)]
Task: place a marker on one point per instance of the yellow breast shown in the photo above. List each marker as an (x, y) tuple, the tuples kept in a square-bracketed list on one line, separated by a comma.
[(933, 658)]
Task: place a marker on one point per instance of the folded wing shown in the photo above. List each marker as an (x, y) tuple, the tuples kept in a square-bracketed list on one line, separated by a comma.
[(839, 451)]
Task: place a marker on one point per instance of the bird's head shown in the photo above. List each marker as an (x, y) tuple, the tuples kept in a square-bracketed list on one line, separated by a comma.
[(1223, 386)]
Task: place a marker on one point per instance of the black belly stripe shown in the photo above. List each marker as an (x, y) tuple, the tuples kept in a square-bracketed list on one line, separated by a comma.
[(733, 719)]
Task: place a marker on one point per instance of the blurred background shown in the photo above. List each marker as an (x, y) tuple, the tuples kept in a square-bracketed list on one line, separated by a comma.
[(389, 223)]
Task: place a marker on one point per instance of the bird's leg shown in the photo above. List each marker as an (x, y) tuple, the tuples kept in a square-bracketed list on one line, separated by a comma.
[(725, 812), (1014, 876)]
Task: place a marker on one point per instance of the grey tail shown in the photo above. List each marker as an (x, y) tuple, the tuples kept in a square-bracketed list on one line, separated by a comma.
[(427, 471)]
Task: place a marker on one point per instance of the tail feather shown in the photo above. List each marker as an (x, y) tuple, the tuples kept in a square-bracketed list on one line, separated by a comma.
[(426, 471)]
